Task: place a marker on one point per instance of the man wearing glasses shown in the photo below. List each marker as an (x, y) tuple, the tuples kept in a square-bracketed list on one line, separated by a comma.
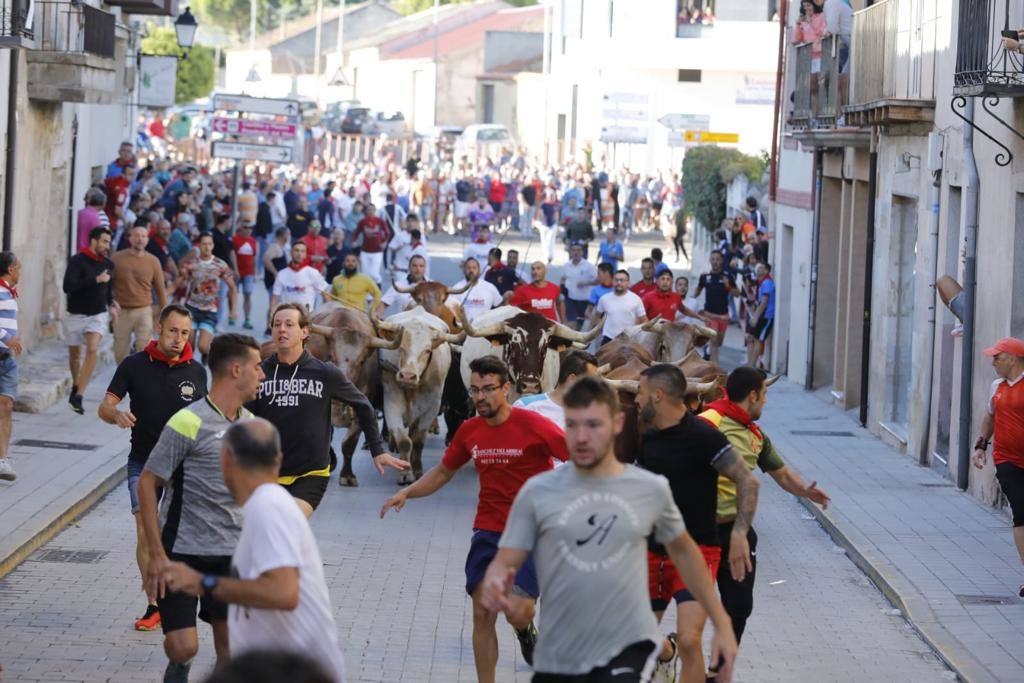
[(508, 446)]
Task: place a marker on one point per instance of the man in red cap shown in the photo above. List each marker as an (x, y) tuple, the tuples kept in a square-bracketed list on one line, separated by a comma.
[(1005, 421)]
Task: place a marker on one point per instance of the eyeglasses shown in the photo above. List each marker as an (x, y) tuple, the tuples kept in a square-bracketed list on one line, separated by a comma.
[(487, 391)]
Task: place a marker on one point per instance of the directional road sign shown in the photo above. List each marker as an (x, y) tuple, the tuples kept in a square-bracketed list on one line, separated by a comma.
[(627, 134), (270, 129), (278, 154), (255, 105), (686, 121), (704, 136)]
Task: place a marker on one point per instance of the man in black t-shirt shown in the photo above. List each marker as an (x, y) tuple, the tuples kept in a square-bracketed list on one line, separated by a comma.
[(690, 453), (161, 379), (719, 286)]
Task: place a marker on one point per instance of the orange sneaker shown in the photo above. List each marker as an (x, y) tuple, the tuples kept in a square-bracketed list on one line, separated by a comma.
[(150, 621)]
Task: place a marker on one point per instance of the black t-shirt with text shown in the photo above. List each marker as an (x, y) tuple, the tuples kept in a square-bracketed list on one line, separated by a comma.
[(717, 287)]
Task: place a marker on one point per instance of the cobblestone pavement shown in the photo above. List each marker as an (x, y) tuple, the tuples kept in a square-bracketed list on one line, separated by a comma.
[(397, 588)]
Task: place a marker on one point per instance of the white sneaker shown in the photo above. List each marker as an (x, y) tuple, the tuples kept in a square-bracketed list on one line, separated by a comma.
[(665, 672), (7, 470)]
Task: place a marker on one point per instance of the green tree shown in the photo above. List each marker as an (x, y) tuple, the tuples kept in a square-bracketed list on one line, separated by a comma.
[(413, 6), (707, 172), (233, 15), (195, 74)]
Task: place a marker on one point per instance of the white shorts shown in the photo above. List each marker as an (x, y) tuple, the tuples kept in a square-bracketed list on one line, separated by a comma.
[(461, 209), (76, 326)]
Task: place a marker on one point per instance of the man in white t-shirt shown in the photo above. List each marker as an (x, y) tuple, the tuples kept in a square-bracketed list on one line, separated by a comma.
[(298, 283), (574, 363), (578, 278), (400, 300), (479, 248), (480, 298), (279, 600), (621, 308)]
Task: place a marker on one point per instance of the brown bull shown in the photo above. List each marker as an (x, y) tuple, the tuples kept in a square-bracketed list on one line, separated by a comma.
[(431, 296), (667, 340), (622, 350)]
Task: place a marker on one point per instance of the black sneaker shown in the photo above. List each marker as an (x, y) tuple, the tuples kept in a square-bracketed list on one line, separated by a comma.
[(527, 641), (76, 403)]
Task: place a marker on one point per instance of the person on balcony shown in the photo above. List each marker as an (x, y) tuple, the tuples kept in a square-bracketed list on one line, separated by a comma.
[(811, 27), (1011, 44)]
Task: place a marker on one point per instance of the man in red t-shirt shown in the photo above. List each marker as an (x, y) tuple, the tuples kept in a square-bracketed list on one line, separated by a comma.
[(376, 236), (539, 296), (316, 247), (246, 250), (664, 301), (508, 446), (117, 197), (646, 284)]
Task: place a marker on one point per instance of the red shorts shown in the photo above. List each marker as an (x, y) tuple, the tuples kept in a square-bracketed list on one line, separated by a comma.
[(664, 582), (719, 324)]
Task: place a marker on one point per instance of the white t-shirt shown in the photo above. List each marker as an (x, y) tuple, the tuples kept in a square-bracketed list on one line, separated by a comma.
[(400, 246), (275, 534), (691, 303), (482, 297), (479, 252), (542, 403), (620, 311), (299, 286), (577, 274)]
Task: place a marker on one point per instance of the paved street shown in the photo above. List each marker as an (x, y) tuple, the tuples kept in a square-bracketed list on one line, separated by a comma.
[(397, 589)]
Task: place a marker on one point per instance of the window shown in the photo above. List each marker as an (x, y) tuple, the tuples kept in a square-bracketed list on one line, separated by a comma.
[(693, 16), (689, 76), (489, 103)]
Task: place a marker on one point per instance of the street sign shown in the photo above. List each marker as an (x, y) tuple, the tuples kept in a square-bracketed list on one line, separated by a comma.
[(279, 154), (704, 136), (677, 138), (270, 129), (686, 121), (624, 114), (157, 79), (255, 105), (627, 134)]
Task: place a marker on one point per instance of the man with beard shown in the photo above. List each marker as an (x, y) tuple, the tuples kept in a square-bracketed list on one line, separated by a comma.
[(354, 288), (508, 446), (480, 298), (400, 300), (202, 278)]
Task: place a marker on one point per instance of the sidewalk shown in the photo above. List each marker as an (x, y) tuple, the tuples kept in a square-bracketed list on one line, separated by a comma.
[(947, 561), (65, 461)]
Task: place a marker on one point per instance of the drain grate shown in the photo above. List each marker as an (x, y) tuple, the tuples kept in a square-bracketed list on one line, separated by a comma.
[(935, 485), (985, 600), (69, 556), (64, 445), (819, 432)]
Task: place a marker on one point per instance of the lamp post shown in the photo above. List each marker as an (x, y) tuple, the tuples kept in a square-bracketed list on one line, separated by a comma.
[(185, 29)]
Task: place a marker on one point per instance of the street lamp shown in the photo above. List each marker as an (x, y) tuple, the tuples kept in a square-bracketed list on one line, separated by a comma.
[(253, 75), (185, 28)]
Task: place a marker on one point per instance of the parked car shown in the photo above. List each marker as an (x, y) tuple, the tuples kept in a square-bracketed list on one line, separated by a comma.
[(335, 112), (484, 139), (390, 123), (352, 121)]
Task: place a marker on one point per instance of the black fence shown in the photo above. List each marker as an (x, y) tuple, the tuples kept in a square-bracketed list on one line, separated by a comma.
[(73, 27), (14, 18), (983, 67)]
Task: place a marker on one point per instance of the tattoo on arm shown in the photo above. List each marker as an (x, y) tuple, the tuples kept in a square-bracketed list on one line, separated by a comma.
[(732, 466)]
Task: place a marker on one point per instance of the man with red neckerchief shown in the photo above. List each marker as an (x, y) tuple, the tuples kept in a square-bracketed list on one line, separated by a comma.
[(10, 349), (299, 283), (160, 379)]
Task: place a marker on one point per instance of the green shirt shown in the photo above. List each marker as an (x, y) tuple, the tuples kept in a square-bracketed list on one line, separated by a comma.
[(757, 451)]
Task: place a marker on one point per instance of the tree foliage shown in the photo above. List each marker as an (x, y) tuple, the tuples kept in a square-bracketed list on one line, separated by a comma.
[(195, 74), (233, 15), (414, 6), (707, 172)]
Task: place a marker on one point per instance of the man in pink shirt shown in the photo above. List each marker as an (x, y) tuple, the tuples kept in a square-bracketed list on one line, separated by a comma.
[(92, 216)]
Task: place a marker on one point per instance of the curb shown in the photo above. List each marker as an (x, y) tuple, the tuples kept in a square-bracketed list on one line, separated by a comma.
[(899, 591), (63, 520)]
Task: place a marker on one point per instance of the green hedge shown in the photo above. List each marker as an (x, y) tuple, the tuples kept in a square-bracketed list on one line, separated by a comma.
[(706, 174)]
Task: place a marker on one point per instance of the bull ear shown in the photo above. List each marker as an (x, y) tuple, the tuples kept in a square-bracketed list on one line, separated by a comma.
[(322, 330)]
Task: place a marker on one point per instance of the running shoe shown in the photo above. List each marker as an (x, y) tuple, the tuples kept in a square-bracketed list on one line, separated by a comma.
[(7, 472), (1020, 591), (231, 322), (76, 403), (665, 671), (247, 325), (527, 642), (150, 621)]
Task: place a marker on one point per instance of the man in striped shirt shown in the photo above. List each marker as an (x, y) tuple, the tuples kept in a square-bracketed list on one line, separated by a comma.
[(10, 347)]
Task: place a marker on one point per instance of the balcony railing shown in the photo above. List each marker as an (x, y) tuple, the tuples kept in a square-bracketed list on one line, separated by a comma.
[(63, 26), (816, 98), (983, 67), (15, 23)]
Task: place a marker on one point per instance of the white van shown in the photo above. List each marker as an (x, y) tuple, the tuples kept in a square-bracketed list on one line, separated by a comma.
[(484, 139)]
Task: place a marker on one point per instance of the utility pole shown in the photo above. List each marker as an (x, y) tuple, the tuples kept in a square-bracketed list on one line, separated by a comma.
[(437, 70), (316, 49)]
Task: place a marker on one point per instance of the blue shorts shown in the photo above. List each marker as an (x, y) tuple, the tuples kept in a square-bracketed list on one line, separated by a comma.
[(134, 470), (248, 283), (204, 319), (9, 377), (482, 550)]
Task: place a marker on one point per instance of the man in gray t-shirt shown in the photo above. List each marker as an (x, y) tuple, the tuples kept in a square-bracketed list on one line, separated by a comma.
[(587, 527)]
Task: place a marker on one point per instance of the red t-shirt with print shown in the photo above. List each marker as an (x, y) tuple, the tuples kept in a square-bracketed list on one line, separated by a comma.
[(246, 250), (537, 299), (505, 457)]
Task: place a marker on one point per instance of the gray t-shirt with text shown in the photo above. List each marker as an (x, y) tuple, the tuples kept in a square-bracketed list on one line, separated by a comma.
[(589, 536)]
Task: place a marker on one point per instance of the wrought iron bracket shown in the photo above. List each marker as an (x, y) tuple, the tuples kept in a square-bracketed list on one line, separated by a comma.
[(993, 101), (1003, 158)]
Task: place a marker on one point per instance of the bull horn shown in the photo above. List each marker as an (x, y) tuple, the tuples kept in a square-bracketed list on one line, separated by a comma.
[(378, 343), (464, 288), (399, 288), (580, 345), (629, 385), (566, 332), (650, 324), (387, 327), (322, 330), (453, 338), (772, 380), (604, 369), (489, 331), (705, 331), (695, 388)]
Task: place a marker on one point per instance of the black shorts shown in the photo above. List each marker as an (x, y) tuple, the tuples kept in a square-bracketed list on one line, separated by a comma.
[(575, 310), (178, 610), (1011, 481), (763, 329), (309, 489), (635, 664)]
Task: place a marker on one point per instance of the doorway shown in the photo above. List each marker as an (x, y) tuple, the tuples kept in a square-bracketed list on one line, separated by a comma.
[(945, 321), (904, 259)]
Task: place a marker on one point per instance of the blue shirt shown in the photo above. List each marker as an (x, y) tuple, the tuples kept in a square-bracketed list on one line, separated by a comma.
[(597, 292), (767, 289), (178, 244), (610, 252)]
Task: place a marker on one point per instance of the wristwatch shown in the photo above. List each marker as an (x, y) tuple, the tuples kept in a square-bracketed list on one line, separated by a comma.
[(208, 583), (981, 444)]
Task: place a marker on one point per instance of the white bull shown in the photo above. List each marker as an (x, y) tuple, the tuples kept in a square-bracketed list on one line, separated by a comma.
[(668, 340), (413, 378)]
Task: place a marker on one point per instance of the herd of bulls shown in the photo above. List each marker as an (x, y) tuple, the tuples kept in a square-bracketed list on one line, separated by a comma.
[(414, 365)]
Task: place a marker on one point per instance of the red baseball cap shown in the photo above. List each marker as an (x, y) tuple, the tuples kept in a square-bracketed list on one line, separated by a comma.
[(1006, 345)]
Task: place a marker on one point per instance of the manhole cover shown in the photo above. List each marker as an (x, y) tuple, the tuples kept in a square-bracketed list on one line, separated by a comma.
[(984, 600), (65, 445), (69, 556), (819, 432)]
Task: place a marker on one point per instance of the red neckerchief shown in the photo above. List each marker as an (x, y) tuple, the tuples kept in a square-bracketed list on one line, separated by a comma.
[(10, 288), (297, 268), (415, 244), (160, 241), (498, 265), (767, 276), (731, 410), (154, 353), (93, 255)]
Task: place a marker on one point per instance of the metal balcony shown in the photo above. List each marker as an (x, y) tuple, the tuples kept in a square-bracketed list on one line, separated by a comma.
[(816, 102), (983, 67), (15, 24)]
